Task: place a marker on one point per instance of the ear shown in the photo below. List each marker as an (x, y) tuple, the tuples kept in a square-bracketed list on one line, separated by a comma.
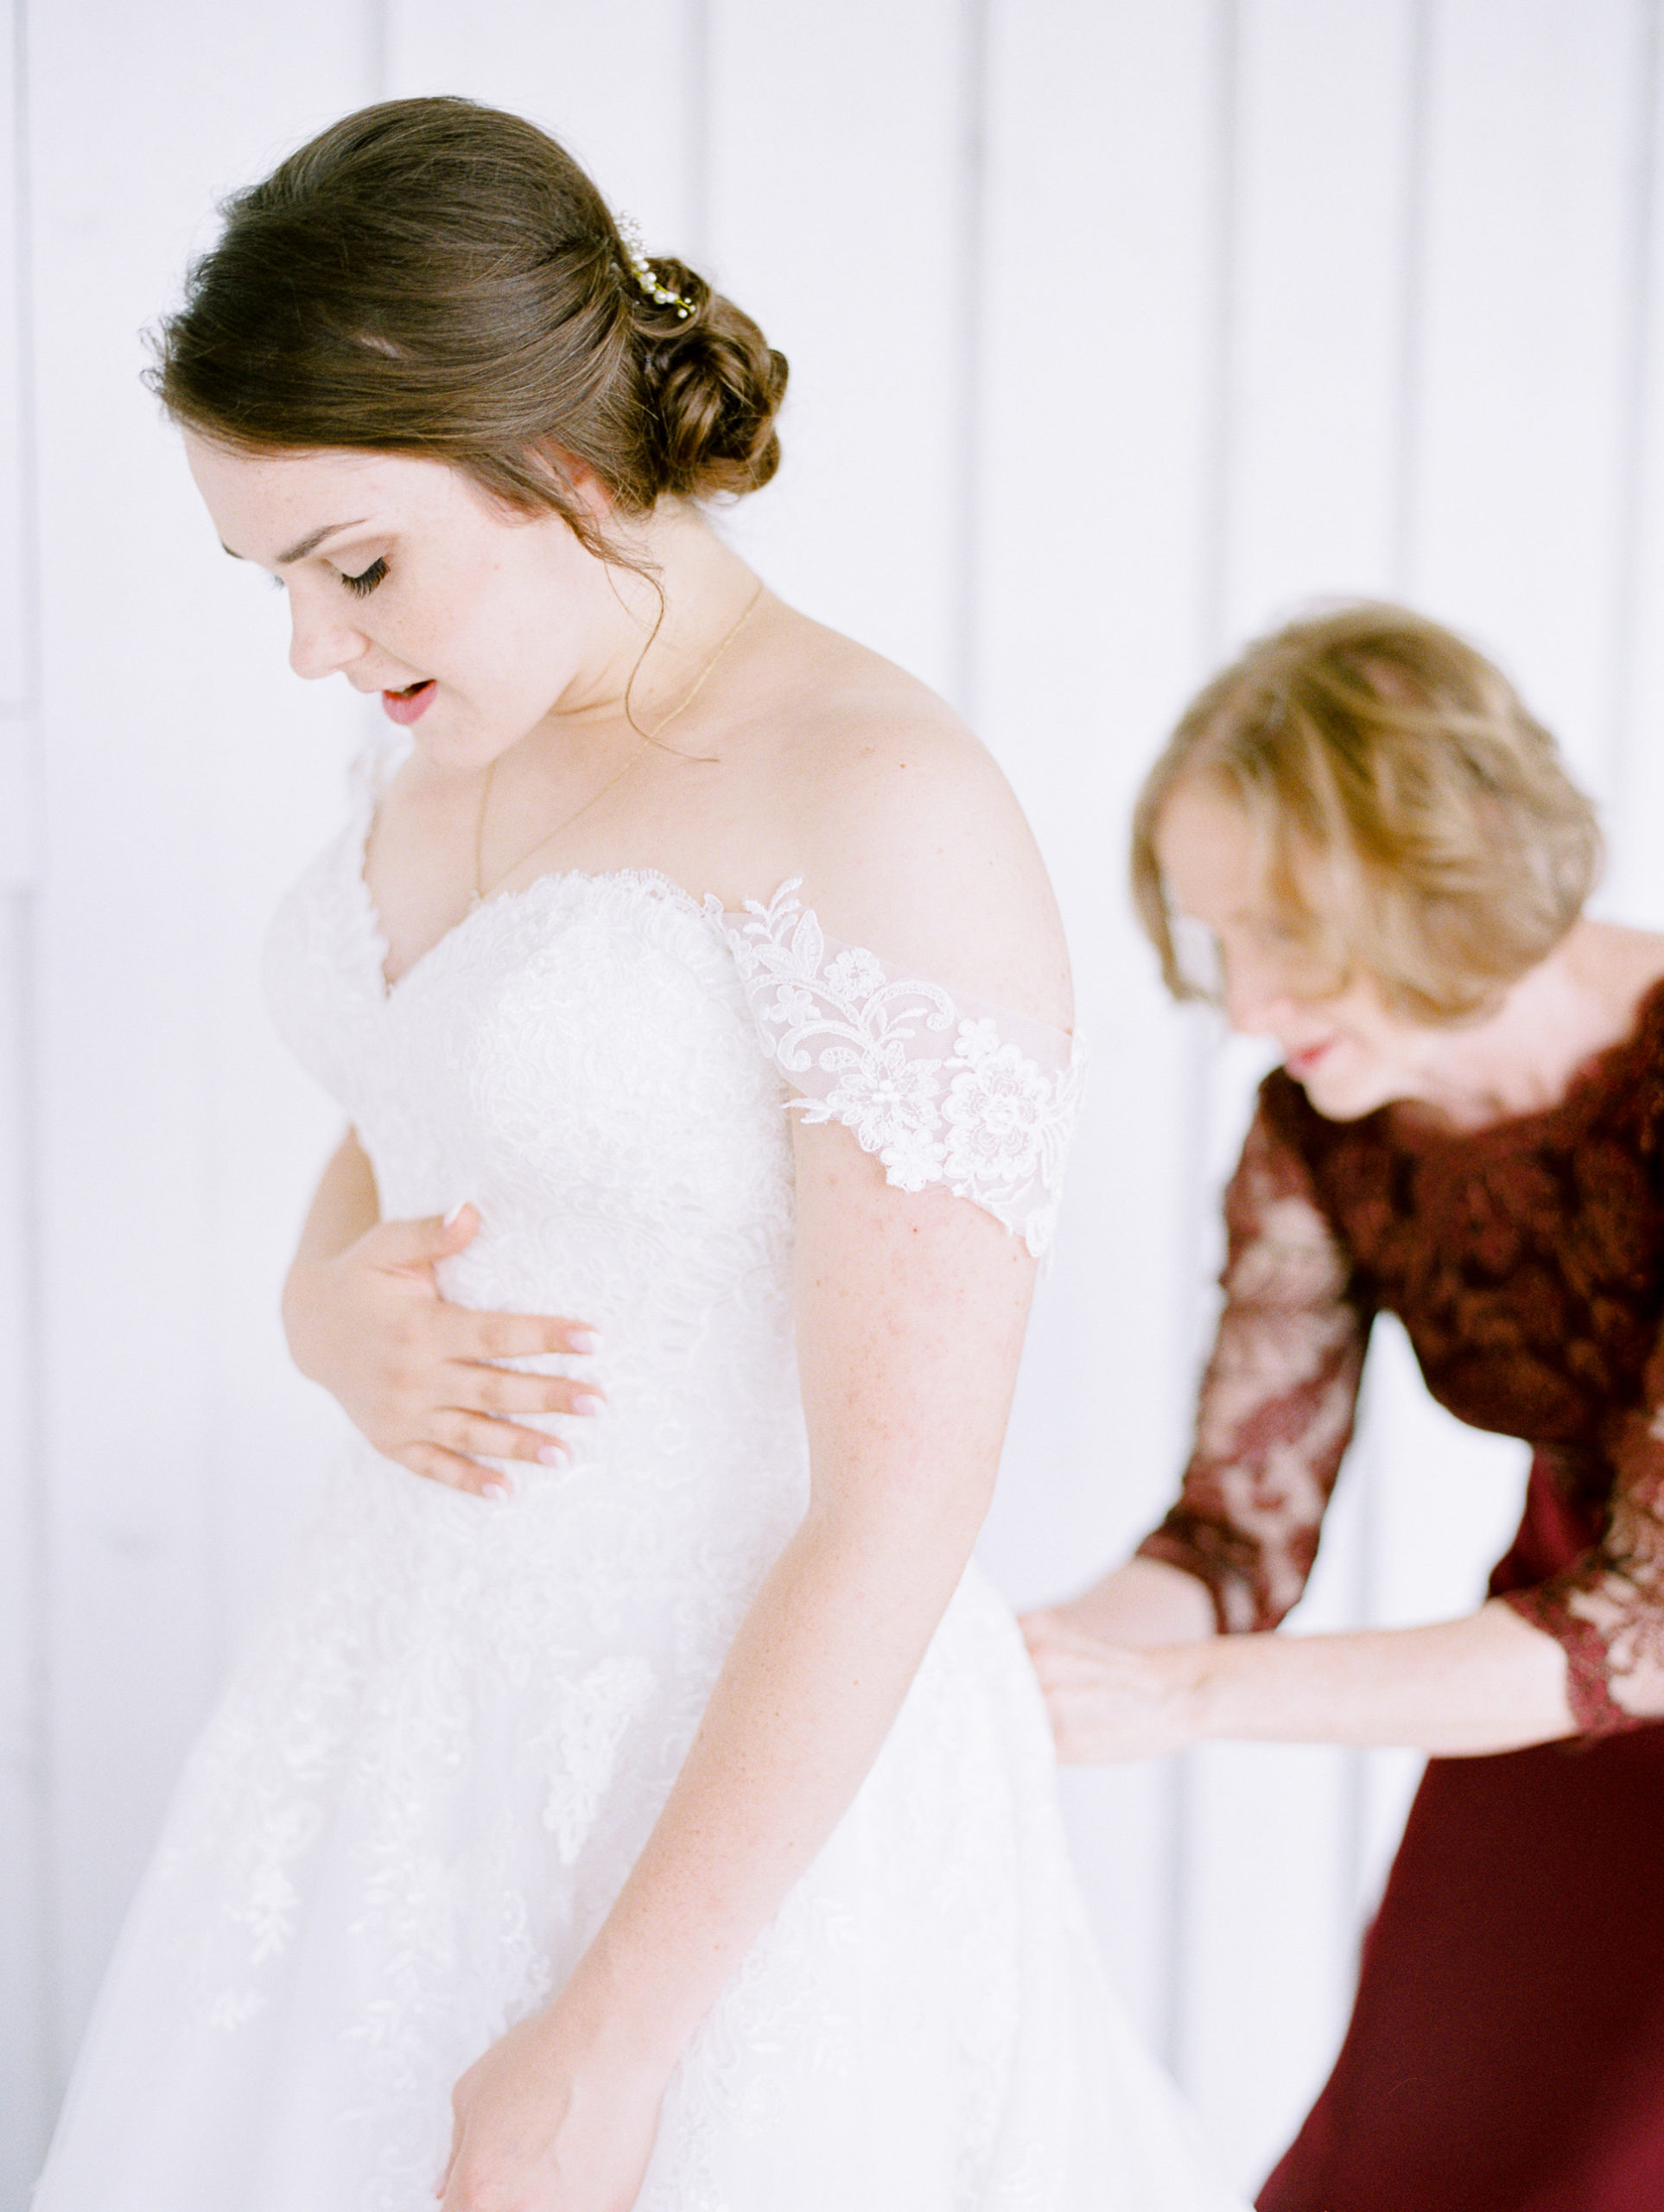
[(579, 477)]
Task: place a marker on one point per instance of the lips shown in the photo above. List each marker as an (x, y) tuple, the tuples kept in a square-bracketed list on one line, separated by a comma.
[(411, 703), (1301, 1063)]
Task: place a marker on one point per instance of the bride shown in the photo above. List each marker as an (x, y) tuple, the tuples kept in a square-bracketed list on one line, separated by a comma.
[(673, 1826)]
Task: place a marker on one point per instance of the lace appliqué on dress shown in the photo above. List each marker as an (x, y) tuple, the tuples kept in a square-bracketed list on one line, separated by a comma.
[(1277, 1401), (946, 1090), (1607, 1610)]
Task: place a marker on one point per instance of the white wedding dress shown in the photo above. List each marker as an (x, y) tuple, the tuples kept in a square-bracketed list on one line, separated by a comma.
[(430, 1775)]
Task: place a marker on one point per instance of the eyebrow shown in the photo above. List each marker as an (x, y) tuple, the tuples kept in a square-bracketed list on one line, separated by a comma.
[(306, 546)]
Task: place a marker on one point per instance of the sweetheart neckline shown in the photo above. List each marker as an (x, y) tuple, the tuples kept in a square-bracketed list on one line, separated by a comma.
[(359, 832), (637, 878), (708, 908)]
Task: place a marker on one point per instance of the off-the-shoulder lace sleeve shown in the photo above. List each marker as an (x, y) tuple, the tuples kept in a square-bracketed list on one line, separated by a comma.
[(1607, 1610), (945, 1091), (1278, 1396)]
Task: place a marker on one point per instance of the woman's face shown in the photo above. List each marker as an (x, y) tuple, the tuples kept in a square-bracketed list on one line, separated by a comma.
[(1347, 1051), (472, 622)]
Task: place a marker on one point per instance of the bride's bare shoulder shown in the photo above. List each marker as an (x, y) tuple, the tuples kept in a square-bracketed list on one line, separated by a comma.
[(912, 842)]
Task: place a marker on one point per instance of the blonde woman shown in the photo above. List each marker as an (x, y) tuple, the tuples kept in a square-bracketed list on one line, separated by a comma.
[(672, 1827), (1368, 841)]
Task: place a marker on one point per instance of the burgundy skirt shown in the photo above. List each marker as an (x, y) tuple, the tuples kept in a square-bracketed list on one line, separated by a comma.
[(1506, 2052)]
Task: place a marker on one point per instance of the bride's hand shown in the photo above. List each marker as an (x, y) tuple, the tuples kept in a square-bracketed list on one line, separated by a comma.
[(1110, 1701), (537, 2127), (414, 1373)]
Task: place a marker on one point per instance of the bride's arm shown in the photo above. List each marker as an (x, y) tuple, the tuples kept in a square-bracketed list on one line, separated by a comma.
[(910, 1319), (364, 1320), (909, 1312)]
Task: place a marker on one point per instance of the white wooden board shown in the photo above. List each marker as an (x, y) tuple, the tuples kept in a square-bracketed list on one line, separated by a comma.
[(1094, 301), (24, 1995), (1633, 890), (838, 204), (20, 826), (176, 773), (619, 85), (1532, 140), (16, 670)]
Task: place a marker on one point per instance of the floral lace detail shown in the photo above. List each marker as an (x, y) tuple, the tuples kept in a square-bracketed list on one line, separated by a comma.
[(1607, 1607), (1278, 1397), (1527, 1263), (945, 1090)]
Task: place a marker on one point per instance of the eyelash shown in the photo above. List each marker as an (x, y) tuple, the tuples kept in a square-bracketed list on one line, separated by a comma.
[(366, 582)]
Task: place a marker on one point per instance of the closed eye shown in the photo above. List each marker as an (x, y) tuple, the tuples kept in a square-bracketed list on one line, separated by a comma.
[(366, 582)]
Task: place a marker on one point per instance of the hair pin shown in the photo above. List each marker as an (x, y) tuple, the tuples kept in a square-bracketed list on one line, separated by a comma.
[(635, 252)]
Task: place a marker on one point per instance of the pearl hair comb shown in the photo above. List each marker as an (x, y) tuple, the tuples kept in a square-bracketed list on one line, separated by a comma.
[(635, 253)]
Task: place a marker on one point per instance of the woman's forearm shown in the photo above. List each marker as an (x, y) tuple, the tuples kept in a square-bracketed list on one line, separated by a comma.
[(1143, 1601), (1486, 1682), (808, 1692), (344, 1205)]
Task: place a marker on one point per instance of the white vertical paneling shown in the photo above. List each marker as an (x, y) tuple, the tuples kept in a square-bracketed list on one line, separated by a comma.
[(178, 770), (839, 174), (618, 86), (22, 1864), (1634, 888), (1324, 135), (1320, 132), (1522, 367), (19, 796), (24, 2090), (1096, 319), (14, 459)]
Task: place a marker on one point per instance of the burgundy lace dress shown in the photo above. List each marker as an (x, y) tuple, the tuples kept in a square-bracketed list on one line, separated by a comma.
[(1506, 2053)]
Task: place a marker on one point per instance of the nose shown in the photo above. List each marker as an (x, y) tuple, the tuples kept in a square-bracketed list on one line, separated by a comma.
[(320, 640), (1256, 996)]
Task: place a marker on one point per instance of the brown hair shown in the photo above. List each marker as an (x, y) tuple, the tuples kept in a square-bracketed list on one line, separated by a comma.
[(432, 276), (1416, 822)]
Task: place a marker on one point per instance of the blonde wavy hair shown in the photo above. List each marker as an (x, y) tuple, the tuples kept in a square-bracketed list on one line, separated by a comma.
[(1416, 824)]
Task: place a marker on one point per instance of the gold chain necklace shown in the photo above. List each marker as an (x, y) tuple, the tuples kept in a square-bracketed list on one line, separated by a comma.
[(648, 737)]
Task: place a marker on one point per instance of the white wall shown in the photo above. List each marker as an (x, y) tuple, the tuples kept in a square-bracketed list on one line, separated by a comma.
[(1117, 327)]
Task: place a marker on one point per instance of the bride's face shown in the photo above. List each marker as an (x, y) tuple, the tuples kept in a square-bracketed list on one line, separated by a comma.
[(472, 622)]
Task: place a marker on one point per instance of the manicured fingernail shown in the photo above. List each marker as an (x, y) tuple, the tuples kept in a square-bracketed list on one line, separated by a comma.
[(498, 1490), (552, 1455), (454, 1215), (588, 1402), (584, 1340)]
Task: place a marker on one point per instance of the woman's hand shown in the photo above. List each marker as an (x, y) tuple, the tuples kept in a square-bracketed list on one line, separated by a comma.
[(544, 2123), (1486, 1682), (414, 1373), (1109, 1702), (1142, 1601)]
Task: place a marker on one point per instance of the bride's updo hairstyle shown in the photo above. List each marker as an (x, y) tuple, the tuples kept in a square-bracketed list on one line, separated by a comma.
[(435, 277), (1414, 823)]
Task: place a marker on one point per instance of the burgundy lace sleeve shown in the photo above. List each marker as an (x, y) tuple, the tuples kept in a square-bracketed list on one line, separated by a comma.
[(1607, 1610), (1278, 1396)]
